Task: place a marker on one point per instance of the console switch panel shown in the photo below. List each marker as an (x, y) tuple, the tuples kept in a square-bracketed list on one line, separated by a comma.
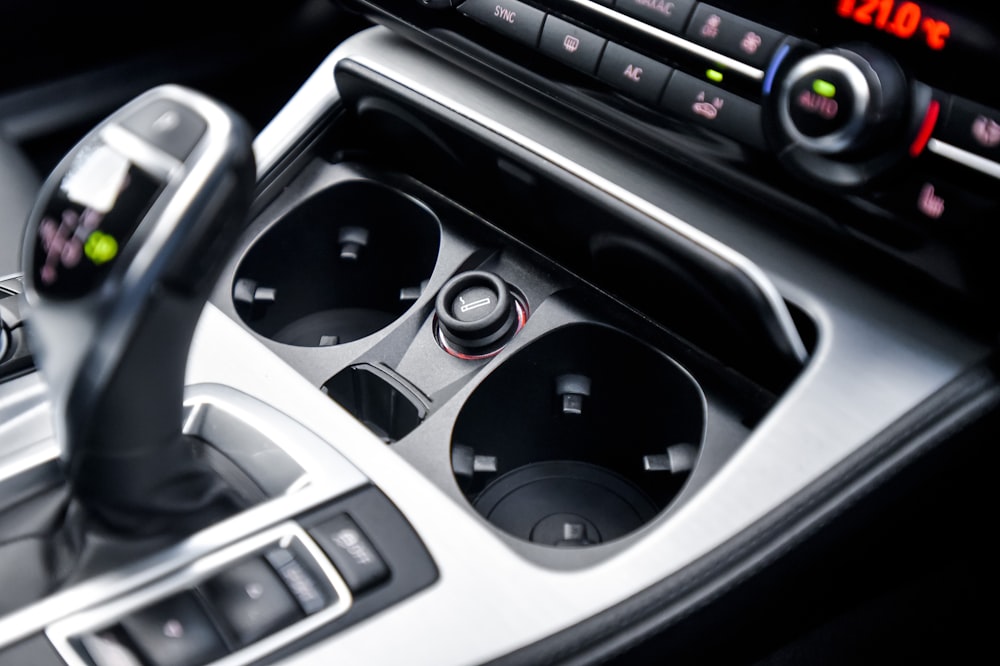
[(251, 600), (174, 632)]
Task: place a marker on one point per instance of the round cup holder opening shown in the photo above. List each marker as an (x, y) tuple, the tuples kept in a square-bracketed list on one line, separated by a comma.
[(343, 264), (580, 438)]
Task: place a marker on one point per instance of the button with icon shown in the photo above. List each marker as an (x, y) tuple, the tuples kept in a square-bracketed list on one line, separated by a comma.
[(733, 35), (174, 632), (571, 45), (972, 127), (713, 107)]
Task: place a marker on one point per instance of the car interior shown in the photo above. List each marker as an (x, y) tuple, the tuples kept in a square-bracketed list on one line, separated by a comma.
[(498, 332)]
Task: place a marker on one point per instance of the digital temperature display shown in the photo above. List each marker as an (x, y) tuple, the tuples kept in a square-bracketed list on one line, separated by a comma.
[(906, 20)]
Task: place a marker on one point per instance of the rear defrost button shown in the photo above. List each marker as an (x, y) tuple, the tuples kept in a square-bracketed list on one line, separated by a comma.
[(571, 45)]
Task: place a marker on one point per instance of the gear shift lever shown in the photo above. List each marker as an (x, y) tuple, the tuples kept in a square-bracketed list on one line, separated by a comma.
[(123, 246)]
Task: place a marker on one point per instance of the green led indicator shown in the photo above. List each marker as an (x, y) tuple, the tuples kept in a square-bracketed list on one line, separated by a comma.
[(100, 247), (714, 75), (824, 88)]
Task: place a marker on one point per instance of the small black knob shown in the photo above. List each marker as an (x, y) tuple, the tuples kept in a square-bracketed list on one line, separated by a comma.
[(476, 314)]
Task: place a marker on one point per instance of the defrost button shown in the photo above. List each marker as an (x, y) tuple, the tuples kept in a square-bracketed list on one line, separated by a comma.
[(571, 45)]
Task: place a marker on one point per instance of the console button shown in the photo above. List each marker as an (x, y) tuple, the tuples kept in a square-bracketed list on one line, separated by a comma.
[(972, 127), (170, 127), (633, 73), (252, 600), (939, 201), (571, 45), (300, 580), (352, 553), (509, 17), (174, 632), (715, 108), (669, 15), (733, 35)]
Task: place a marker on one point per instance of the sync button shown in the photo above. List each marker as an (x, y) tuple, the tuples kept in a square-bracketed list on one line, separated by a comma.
[(509, 17)]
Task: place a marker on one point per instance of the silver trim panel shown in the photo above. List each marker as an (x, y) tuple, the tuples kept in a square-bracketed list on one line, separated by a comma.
[(329, 476), (964, 157), (316, 97)]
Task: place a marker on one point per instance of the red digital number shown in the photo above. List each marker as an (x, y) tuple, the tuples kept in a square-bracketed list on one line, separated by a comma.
[(906, 21), (903, 20)]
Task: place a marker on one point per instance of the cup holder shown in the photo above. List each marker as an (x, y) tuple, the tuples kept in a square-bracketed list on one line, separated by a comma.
[(340, 266), (579, 438)]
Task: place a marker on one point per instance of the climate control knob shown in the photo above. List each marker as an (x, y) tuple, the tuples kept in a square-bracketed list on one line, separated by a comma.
[(843, 115)]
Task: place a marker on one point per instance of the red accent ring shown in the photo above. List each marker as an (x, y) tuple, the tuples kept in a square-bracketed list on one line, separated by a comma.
[(926, 127)]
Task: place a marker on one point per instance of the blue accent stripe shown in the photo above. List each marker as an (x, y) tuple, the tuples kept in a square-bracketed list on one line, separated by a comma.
[(773, 67)]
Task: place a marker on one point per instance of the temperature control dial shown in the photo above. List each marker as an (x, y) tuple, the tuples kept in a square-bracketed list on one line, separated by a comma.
[(843, 115)]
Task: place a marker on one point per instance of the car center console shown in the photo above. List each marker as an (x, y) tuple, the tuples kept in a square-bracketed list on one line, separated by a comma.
[(580, 310)]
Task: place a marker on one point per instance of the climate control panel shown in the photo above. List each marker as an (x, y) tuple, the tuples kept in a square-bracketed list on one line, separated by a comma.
[(870, 113)]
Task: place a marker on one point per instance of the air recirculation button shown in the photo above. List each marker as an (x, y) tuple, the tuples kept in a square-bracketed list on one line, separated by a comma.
[(477, 314)]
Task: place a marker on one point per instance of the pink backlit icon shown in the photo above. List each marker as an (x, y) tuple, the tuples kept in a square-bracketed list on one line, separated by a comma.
[(986, 131), (571, 43), (707, 109), (929, 203), (750, 43), (710, 28)]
